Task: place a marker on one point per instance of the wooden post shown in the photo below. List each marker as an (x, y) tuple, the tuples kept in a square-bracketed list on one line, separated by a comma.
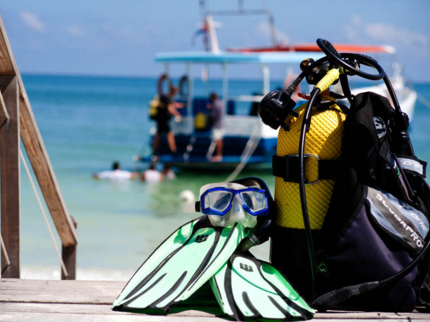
[(15, 120), (36, 150), (10, 177), (69, 254)]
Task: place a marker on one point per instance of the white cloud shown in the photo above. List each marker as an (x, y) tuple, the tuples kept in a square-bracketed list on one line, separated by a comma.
[(356, 19), (76, 31), (32, 21), (353, 31), (391, 34), (383, 33)]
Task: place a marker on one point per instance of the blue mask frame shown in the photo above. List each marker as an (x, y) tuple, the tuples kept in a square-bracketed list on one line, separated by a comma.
[(207, 210)]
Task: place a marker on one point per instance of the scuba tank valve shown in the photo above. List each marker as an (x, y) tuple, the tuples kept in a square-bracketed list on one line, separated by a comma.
[(275, 107)]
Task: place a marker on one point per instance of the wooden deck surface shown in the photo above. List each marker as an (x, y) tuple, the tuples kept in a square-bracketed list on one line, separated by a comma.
[(39, 300)]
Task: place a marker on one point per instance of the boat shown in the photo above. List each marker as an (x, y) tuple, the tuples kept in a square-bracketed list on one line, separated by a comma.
[(247, 141)]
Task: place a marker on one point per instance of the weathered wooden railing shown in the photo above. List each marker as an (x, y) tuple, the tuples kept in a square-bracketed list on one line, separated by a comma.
[(17, 120)]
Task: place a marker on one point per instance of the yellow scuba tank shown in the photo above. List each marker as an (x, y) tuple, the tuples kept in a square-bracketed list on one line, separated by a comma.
[(323, 142), (200, 121), (153, 107)]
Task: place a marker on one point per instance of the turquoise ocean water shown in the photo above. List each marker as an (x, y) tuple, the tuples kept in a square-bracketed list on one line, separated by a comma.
[(88, 122)]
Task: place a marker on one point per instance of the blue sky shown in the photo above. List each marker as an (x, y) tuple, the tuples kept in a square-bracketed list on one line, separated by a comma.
[(121, 37)]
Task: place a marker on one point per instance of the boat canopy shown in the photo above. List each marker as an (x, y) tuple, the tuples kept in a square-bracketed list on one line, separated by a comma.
[(236, 58)]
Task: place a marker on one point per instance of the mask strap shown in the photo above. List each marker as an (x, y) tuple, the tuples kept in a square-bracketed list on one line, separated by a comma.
[(192, 207)]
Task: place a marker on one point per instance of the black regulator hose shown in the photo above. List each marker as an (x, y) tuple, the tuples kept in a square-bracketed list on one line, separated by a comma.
[(302, 187), (404, 144), (306, 71)]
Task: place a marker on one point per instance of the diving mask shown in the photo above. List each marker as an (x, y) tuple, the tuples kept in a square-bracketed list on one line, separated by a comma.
[(227, 203)]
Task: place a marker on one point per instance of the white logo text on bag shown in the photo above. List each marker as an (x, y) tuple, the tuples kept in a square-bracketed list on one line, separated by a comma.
[(416, 238)]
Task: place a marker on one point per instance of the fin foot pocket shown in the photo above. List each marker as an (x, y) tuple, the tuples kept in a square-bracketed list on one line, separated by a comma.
[(249, 288)]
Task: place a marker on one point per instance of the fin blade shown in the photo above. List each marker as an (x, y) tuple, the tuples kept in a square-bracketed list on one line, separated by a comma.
[(179, 266), (230, 238)]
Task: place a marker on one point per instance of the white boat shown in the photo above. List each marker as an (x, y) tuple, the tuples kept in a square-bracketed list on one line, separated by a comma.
[(246, 138)]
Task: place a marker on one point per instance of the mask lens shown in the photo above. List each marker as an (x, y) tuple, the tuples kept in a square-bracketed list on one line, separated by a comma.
[(254, 200), (218, 200)]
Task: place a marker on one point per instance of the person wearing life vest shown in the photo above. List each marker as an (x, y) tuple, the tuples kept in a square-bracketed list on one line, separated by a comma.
[(166, 109)]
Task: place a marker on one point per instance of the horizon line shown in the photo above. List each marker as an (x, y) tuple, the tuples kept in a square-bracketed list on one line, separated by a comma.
[(155, 77)]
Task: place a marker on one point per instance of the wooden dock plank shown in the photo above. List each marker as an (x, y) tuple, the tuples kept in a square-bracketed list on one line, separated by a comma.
[(75, 292), (77, 312), (8, 307), (66, 317), (35, 291), (39, 300)]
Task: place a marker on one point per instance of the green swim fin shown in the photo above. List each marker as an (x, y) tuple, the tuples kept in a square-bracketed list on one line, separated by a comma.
[(249, 288), (180, 265)]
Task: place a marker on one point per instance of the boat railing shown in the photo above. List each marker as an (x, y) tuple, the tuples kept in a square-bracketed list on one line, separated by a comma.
[(211, 149), (234, 125), (246, 98)]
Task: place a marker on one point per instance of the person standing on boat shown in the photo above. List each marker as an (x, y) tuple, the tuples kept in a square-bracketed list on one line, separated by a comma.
[(116, 174), (166, 109), (217, 108)]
